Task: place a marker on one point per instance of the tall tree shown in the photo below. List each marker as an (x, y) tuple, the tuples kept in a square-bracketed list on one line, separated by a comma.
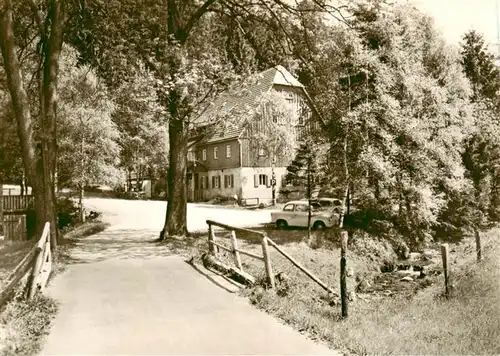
[(181, 42), (396, 107), (272, 129), (39, 161), (479, 67), (481, 157), (143, 135), (88, 138)]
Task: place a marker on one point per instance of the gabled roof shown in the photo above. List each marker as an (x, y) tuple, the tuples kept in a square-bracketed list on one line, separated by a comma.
[(241, 99)]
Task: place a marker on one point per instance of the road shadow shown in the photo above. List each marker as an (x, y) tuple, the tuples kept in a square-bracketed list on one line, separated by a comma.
[(216, 278), (117, 243), (144, 244)]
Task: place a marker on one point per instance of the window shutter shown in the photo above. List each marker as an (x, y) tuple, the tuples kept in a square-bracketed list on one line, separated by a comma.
[(213, 182), (268, 181), (283, 180), (232, 180), (219, 181), (256, 180)]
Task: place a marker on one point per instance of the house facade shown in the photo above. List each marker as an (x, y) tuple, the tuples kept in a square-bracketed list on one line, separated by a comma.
[(230, 163)]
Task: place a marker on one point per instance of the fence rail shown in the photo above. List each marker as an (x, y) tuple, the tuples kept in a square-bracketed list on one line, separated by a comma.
[(266, 258), (37, 263)]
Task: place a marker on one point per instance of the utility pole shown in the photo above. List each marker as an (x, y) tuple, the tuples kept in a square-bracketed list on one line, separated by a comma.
[(273, 180)]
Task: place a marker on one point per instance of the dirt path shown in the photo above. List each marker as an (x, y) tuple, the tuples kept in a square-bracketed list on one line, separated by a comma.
[(124, 295)]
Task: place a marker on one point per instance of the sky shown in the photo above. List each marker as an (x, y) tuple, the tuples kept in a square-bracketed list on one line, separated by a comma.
[(455, 17)]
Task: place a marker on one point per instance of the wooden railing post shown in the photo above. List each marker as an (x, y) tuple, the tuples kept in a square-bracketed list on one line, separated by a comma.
[(39, 256), (46, 265), (343, 274), (211, 238), (267, 262), (445, 256), (234, 243)]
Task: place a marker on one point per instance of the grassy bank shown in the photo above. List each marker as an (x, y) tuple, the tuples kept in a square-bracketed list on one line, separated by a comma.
[(24, 323), (394, 317), (11, 253)]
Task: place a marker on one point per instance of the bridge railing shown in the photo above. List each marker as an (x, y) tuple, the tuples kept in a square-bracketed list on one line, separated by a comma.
[(214, 245), (37, 264)]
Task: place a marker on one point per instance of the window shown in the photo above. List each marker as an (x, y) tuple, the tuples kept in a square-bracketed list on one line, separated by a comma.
[(216, 152), (301, 207), (228, 151), (229, 181), (261, 151), (204, 154), (261, 179), (288, 207), (216, 182)]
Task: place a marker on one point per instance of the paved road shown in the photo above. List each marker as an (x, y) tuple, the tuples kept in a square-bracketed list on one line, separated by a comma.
[(124, 295), (150, 215)]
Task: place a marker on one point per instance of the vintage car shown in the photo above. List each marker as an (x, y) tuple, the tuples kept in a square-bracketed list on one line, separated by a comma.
[(295, 213)]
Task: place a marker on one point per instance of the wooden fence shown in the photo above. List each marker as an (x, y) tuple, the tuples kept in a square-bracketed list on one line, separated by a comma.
[(37, 263), (16, 213), (14, 227), (17, 203), (213, 244)]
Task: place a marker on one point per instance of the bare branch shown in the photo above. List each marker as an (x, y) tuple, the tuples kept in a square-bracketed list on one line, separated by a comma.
[(38, 17)]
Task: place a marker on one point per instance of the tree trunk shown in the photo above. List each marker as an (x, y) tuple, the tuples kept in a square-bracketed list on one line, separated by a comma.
[(1, 209), (176, 222), (309, 193), (21, 108), (23, 186), (52, 51), (81, 209)]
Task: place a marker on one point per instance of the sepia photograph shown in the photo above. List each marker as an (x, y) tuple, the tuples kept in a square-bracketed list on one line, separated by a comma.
[(249, 177)]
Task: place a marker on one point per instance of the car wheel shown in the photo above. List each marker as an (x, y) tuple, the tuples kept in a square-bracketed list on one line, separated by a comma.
[(281, 224), (319, 225)]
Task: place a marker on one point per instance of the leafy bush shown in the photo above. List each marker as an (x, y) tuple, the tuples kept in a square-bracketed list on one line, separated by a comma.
[(67, 212)]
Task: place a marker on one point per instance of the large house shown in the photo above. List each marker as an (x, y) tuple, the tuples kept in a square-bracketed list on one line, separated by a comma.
[(229, 163)]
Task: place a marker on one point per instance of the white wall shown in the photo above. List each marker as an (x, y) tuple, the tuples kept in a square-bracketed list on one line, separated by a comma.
[(262, 192)]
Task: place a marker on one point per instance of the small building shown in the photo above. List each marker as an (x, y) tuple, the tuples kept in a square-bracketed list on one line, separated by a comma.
[(228, 162)]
